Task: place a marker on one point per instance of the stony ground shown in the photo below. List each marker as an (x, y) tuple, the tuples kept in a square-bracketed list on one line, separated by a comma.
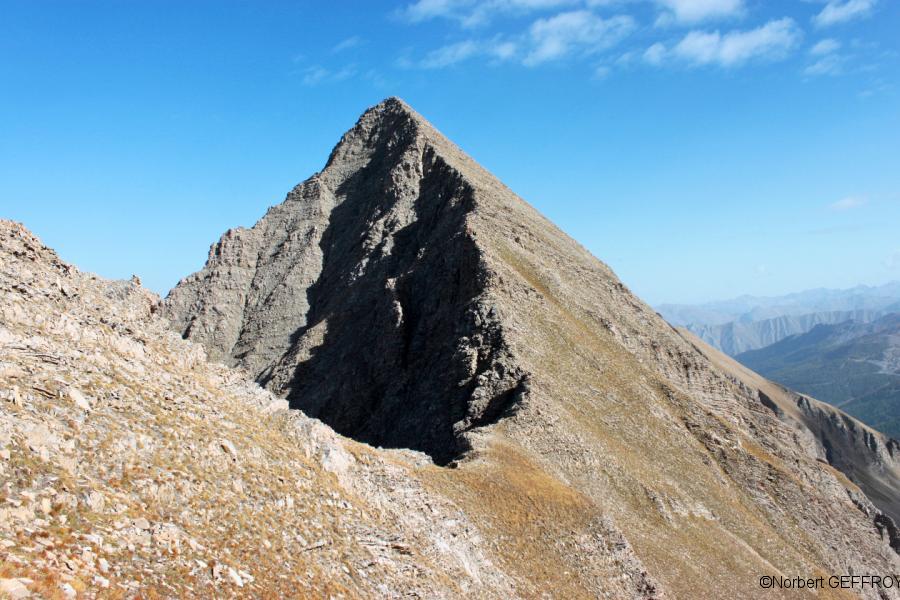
[(131, 467)]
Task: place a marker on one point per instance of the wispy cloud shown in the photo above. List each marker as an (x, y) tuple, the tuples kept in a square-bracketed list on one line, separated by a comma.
[(497, 50), (501, 50), (317, 75), (893, 261), (472, 13), (424, 10), (827, 60), (347, 44), (840, 11), (830, 64), (655, 54), (879, 86), (449, 55), (826, 46), (577, 31), (602, 72), (582, 29), (847, 203), (771, 41), (694, 11)]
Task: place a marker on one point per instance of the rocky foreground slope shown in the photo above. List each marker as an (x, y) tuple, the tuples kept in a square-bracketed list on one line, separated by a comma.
[(407, 298), (132, 467)]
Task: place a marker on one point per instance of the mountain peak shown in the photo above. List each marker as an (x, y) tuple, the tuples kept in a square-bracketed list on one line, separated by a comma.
[(395, 103), (393, 107), (388, 113), (389, 131), (388, 224), (407, 298)]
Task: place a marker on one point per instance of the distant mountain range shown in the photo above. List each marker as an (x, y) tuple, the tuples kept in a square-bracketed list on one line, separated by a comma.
[(840, 346), (852, 365), (735, 337), (750, 322)]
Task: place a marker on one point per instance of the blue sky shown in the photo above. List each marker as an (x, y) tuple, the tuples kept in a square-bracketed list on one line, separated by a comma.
[(703, 148)]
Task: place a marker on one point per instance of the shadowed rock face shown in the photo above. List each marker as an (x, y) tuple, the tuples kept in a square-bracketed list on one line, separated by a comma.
[(398, 330), (362, 296), (408, 298)]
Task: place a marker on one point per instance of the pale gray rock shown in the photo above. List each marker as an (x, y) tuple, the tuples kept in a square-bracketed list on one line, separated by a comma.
[(78, 398), (14, 589)]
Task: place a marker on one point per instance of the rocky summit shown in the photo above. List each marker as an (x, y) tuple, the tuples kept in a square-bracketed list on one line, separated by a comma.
[(547, 433)]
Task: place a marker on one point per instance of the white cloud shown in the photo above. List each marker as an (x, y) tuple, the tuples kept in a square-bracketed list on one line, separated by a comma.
[(503, 50), (655, 54), (829, 61), (693, 11), (314, 75), (449, 55), (317, 75), (830, 64), (471, 13), (602, 72), (772, 41), (839, 11), (556, 37), (626, 58), (424, 10), (877, 87), (893, 261), (700, 47), (826, 46), (848, 203), (350, 42), (578, 32), (497, 49), (582, 32)]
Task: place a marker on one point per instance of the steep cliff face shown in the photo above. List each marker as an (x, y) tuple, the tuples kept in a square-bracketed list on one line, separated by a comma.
[(408, 298), (374, 252)]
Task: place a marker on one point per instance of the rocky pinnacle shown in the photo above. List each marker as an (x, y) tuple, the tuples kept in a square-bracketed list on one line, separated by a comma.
[(364, 297)]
